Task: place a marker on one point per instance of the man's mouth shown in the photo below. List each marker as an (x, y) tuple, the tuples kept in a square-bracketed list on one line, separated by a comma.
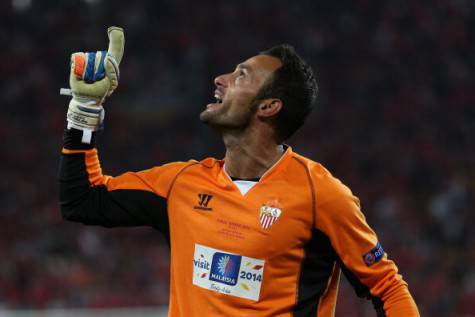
[(218, 98), (219, 101)]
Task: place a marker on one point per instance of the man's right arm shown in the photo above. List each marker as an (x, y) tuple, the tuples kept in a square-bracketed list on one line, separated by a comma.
[(86, 195), (131, 199)]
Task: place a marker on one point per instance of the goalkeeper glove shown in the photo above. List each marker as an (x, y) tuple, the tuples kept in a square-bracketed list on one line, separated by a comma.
[(93, 77)]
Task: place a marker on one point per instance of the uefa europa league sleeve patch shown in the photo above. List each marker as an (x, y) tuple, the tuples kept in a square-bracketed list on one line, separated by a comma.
[(373, 256)]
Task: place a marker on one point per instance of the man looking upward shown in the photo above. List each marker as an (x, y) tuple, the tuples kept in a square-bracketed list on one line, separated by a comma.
[(263, 232)]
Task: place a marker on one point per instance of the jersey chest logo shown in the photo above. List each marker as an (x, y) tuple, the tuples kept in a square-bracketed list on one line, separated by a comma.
[(203, 201), (270, 213)]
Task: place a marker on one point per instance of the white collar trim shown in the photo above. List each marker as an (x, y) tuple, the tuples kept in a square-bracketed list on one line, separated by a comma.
[(244, 186)]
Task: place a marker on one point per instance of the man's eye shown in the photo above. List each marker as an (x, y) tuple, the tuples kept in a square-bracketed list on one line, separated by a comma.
[(241, 73)]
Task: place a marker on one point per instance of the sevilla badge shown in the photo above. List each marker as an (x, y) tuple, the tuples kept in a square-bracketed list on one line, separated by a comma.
[(270, 212)]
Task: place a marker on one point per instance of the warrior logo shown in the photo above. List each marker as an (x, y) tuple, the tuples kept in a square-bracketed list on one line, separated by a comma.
[(203, 201)]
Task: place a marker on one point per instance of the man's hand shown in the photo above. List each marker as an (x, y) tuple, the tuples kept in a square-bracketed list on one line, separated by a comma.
[(93, 77)]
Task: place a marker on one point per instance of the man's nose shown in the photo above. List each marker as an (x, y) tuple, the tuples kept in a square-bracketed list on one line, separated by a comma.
[(220, 81)]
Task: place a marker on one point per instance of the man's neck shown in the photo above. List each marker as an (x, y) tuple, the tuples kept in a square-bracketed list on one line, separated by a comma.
[(250, 155)]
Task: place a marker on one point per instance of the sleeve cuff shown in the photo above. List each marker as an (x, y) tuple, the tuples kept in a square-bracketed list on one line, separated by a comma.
[(72, 140)]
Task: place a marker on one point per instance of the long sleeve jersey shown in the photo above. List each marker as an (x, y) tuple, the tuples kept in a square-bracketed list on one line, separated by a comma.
[(278, 250)]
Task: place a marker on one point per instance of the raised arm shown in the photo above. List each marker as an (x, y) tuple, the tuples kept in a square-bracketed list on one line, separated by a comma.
[(86, 195), (131, 199)]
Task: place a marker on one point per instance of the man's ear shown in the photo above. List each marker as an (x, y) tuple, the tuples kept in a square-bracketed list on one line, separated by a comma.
[(269, 107)]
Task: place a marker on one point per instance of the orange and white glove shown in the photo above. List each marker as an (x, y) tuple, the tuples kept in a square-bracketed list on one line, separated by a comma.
[(93, 77)]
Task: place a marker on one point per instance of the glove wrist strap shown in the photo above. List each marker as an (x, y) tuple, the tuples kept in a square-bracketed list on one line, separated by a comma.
[(86, 116)]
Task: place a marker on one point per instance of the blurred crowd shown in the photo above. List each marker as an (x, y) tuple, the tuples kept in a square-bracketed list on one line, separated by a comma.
[(395, 121)]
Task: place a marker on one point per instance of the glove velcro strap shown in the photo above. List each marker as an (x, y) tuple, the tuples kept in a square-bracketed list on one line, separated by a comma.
[(84, 116)]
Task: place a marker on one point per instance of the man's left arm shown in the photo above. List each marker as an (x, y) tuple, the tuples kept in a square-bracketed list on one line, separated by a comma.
[(360, 255)]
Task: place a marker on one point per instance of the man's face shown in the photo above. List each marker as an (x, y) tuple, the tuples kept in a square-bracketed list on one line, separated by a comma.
[(235, 92)]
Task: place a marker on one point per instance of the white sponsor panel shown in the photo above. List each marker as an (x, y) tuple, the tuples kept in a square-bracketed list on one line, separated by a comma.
[(227, 273)]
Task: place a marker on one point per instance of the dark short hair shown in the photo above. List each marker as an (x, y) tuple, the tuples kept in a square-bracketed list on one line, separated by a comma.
[(295, 85)]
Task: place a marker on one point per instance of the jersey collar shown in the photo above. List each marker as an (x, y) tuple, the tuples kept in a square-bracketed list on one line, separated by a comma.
[(279, 166)]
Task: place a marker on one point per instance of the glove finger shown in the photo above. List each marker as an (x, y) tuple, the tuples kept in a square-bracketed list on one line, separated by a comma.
[(116, 43), (90, 65), (78, 64), (99, 72), (112, 73)]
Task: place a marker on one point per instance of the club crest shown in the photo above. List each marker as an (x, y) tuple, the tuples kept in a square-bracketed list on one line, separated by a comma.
[(269, 213)]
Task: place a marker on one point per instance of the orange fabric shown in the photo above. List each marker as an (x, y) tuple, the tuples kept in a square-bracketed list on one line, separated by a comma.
[(68, 151), (340, 217), (79, 64), (156, 179), (308, 197), (93, 166)]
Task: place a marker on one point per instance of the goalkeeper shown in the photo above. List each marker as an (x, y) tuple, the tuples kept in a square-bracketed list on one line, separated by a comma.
[(262, 232)]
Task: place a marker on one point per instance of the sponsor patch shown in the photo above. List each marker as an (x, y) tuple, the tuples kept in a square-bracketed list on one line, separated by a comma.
[(225, 268), (227, 273), (373, 256)]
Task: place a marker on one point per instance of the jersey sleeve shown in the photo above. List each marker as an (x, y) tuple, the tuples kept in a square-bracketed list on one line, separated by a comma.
[(131, 199), (360, 255)]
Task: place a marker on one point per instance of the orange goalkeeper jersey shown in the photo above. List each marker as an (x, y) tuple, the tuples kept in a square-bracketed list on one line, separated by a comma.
[(278, 250)]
